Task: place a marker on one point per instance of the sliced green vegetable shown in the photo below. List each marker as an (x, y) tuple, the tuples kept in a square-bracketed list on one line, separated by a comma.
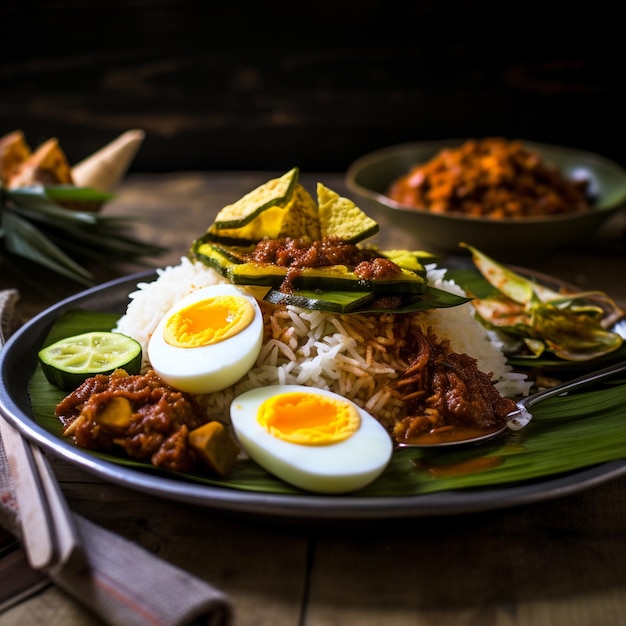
[(567, 325), (432, 298), (323, 278), (345, 302), (409, 259), (334, 301), (70, 361), (328, 278), (220, 258)]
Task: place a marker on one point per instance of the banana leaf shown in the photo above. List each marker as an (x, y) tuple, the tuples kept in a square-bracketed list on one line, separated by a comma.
[(567, 433)]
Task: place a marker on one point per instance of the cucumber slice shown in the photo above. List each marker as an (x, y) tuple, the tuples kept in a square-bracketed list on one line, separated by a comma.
[(69, 362), (335, 301)]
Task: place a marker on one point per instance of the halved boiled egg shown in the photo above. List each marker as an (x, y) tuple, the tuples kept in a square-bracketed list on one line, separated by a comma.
[(311, 438), (208, 340)]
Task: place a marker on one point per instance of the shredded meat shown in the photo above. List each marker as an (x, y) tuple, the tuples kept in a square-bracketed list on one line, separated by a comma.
[(302, 252), (157, 430), (442, 388)]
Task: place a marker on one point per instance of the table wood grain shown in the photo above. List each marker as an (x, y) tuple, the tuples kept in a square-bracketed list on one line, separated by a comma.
[(559, 562)]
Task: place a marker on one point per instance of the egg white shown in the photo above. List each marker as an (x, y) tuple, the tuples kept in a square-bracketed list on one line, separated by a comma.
[(205, 369), (340, 467)]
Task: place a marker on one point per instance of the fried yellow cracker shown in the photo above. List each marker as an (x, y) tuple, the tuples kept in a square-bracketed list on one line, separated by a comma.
[(340, 217), (298, 218), (274, 194), (301, 216), (282, 207)]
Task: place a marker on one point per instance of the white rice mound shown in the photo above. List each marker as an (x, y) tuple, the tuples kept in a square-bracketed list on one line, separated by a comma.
[(349, 354), (151, 301), (468, 336)]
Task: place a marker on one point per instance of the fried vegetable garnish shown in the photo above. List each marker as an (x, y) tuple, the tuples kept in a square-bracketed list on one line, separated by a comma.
[(340, 217), (570, 326), (282, 207), (276, 192), (307, 250)]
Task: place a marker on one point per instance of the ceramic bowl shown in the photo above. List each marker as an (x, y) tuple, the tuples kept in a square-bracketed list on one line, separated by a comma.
[(370, 176)]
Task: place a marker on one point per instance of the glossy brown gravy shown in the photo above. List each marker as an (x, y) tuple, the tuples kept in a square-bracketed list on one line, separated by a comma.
[(470, 466), (448, 434)]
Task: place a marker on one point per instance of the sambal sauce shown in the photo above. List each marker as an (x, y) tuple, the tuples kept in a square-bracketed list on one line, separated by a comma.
[(150, 422)]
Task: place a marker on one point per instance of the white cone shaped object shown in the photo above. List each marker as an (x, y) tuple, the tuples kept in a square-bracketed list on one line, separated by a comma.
[(104, 169)]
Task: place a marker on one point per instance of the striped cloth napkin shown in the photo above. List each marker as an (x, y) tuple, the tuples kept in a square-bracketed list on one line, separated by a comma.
[(121, 582)]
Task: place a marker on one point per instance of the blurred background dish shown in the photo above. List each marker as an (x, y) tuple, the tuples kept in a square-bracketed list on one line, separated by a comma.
[(258, 87), (370, 177)]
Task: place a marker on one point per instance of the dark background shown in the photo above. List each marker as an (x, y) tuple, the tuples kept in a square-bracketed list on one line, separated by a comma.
[(270, 85)]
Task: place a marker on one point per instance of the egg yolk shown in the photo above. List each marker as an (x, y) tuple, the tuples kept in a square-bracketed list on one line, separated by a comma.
[(208, 321), (308, 419)]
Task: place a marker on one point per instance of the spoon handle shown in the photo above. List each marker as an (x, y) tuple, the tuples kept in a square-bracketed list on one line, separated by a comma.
[(521, 417), (581, 381)]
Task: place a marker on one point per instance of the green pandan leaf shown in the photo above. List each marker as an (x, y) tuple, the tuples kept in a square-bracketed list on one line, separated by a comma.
[(36, 227), (432, 298), (361, 301), (24, 239), (39, 195), (335, 301)]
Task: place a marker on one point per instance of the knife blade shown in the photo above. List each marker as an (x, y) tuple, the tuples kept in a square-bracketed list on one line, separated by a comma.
[(49, 535)]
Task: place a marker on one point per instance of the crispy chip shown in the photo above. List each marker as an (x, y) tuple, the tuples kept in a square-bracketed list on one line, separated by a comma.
[(274, 194), (282, 207), (340, 217), (298, 218), (14, 151), (46, 166), (301, 216)]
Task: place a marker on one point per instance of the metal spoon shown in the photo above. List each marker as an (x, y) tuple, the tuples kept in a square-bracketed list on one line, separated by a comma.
[(515, 420)]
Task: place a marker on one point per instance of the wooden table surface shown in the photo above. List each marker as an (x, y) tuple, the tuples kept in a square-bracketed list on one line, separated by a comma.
[(560, 561)]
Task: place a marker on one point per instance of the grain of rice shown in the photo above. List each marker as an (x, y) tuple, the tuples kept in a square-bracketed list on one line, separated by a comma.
[(354, 355)]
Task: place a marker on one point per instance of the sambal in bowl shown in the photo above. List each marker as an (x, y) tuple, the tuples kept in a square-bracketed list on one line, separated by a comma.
[(513, 198)]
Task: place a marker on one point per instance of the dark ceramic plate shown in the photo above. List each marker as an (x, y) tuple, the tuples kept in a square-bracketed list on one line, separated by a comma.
[(18, 360)]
